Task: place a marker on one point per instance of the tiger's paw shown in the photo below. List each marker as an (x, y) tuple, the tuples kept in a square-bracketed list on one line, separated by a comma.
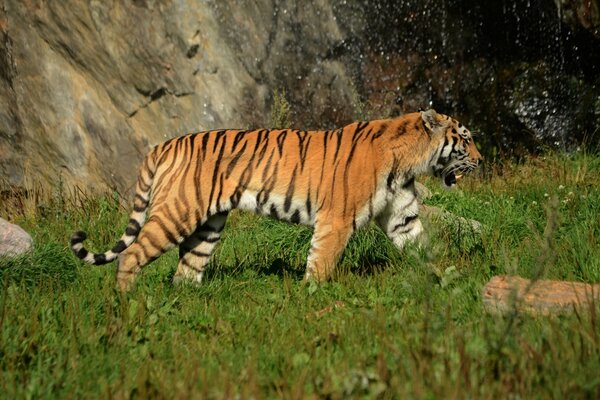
[(185, 280)]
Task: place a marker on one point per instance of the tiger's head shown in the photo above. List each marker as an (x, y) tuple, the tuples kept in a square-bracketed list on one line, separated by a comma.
[(456, 153)]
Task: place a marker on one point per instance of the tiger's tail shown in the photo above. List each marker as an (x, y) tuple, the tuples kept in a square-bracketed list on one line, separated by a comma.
[(136, 219)]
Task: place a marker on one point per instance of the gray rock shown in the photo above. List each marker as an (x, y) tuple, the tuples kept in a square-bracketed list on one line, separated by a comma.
[(449, 219), (86, 88), (423, 193), (14, 241)]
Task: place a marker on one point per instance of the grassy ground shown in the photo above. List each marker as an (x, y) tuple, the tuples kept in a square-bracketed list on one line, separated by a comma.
[(391, 325)]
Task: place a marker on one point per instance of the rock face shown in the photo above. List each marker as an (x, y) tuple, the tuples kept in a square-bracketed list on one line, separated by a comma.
[(581, 13), (13, 240), (524, 74), (86, 87)]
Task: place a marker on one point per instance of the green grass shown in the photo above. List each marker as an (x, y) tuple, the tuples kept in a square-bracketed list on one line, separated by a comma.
[(391, 325)]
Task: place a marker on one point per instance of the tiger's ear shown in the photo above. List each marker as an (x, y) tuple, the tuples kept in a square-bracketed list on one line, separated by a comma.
[(432, 120)]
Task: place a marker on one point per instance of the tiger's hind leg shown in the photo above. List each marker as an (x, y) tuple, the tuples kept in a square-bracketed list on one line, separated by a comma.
[(195, 251), (154, 239), (327, 245)]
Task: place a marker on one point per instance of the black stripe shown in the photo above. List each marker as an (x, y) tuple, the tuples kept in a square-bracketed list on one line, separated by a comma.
[(355, 138), (197, 173), (181, 231), (205, 143), (188, 157), (119, 247), (82, 253), (216, 172), (141, 199), (189, 265), (280, 140), (247, 173), (220, 194), (308, 204), (168, 235), (220, 135), (133, 228), (380, 132), (407, 220), (143, 185), (181, 207), (401, 129), (183, 251), (290, 192), (265, 173), (263, 196), (325, 140), (199, 253), (338, 144), (295, 217), (100, 259), (78, 237), (263, 150), (360, 126), (164, 151), (148, 169), (304, 142), (238, 137), (235, 160), (409, 183), (273, 212), (235, 198)]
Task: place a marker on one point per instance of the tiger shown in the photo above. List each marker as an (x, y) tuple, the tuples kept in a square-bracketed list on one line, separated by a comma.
[(334, 180)]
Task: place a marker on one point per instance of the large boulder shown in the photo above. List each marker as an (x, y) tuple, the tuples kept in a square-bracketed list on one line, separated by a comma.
[(14, 240)]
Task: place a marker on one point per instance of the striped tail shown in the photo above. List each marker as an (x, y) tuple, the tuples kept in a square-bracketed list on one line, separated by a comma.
[(136, 219)]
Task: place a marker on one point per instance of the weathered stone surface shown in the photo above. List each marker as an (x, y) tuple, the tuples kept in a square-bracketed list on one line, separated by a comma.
[(460, 223), (13, 239), (423, 193), (86, 87), (504, 294)]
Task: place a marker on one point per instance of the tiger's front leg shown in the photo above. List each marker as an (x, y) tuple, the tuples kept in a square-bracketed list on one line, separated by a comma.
[(400, 219), (327, 244)]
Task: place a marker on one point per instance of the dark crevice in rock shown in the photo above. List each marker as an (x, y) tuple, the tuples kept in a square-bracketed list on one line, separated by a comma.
[(156, 95), (192, 51)]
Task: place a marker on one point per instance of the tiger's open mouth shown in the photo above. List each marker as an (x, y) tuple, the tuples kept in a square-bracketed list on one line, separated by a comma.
[(450, 179)]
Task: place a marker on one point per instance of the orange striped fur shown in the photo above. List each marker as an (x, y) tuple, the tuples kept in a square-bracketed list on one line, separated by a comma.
[(336, 181)]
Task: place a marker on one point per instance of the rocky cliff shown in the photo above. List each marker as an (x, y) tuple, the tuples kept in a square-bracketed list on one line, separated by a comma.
[(87, 86)]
